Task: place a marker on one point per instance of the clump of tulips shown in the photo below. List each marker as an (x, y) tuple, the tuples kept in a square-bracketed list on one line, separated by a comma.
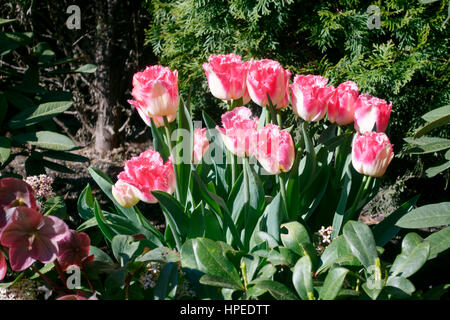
[(266, 83), (250, 212)]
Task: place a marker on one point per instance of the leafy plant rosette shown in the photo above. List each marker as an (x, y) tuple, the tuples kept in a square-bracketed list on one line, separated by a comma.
[(28, 110), (250, 212)]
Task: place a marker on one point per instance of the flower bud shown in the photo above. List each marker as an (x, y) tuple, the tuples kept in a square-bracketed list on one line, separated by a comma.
[(125, 194), (201, 144)]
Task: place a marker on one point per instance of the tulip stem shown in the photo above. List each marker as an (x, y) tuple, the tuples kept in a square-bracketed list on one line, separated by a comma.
[(279, 120), (233, 169), (283, 194), (362, 189), (169, 139)]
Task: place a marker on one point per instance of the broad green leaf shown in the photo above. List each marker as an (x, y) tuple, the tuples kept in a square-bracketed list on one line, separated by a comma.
[(211, 260), (433, 171), (10, 41), (158, 141), (333, 283), (387, 229), (19, 100), (56, 207), (413, 256), (278, 290), (65, 156), (340, 210), (161, 254), (302, 278), (425, 145), (432, 215), (100, 255), (397, 288), (56, 167), (436, 114), (439, 242), (338, 248), (296, 235), (102, 224), (274, 217), (124, 248), (5, 149), (87, 68), (436, 123), (361, 242), (85, 203), (46, 140), (166, 287), (6, 21), (38, 114), (175, 216)]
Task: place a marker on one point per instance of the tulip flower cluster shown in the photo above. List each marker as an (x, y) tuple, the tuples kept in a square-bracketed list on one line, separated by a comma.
[(267, 84), (30, 236)]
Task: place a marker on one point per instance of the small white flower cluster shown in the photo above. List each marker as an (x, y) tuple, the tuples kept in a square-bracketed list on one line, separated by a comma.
[(23, 290), (41, 185), (325, 235), (324, 238)]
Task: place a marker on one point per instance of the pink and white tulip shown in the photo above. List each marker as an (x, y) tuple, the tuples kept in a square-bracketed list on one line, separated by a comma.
[(267, 77), (341, 106), (310, 96), (155, 91), (238, 129), (125, 194), (159, 121), (146, 173), (226, 75), (371, 153), (201, 144), (371, 111), (274, 149)]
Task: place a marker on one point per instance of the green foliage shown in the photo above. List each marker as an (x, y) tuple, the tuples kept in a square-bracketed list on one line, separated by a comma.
[(27, 108), (405, 61)]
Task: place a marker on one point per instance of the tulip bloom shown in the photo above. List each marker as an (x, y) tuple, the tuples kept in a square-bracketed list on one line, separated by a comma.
[(371, 111), (267, 77), (274, 149), (201, 144), (14, 193), (238, 129), (371, 153), (226, 75), (73, 249), (145, 173), (31, 236), (341, 106), (310, 96), (159, 121), (155, 91), (125, 194)]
